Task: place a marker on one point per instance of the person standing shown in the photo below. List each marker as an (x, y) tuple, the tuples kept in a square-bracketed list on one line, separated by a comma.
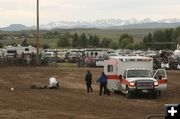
[(88, 80), (103, 84)]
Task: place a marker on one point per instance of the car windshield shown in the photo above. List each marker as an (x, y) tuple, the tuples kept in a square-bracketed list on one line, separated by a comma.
[(138, 73)]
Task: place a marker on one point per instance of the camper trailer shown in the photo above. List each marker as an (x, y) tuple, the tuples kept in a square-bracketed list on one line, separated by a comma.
[(134, 74), (99, 55), (13, 52), (74, 56), (61, 56)]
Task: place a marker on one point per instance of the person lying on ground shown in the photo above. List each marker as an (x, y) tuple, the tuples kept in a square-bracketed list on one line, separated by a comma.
[(53, 84)]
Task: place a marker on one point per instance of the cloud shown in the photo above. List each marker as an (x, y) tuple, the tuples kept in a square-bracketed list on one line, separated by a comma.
[(71, 6), (24, 11), (1, 8)]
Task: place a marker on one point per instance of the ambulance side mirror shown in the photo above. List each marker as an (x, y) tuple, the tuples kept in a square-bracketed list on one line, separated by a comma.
[(159, 77), (124, 76)]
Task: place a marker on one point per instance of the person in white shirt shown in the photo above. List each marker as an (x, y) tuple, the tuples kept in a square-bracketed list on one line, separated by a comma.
[(53, 83)]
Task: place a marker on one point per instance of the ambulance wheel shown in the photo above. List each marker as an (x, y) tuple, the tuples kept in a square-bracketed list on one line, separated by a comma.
[(155, 95), (115, 92), (159, 93), (128, 93)]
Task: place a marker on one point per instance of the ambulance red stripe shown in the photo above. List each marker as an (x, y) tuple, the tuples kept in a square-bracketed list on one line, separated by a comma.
[(113, 77), (117, 77)]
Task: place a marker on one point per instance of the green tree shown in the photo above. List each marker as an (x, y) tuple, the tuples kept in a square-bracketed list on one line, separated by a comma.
[(138, 46), (168, 37), (56, 32), (145, 39), (146, 43), (176, 34), (67, 34), (63, 41), (159, 36), (90, 40), (75, 40), (45, 46), (113, 45), (23, 35), (125, 39), (123, 36), (149, 38), (82, 41), (95, 41), (125, 42), (1, 45), (1, 37), (24, 42), (105, 43), (49, 33)]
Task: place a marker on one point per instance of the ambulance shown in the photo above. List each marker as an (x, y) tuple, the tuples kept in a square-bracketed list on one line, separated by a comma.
[(133, 75)]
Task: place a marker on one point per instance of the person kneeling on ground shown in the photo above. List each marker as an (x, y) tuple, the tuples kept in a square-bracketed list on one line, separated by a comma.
[(53, 83)]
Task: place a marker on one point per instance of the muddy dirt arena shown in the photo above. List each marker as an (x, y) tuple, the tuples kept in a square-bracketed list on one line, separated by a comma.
[(72, 101)]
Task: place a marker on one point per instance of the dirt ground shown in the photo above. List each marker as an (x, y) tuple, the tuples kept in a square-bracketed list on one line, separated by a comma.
[(71, 101)]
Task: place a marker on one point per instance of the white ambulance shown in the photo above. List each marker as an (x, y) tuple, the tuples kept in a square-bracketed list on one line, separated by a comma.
[(134, 74)]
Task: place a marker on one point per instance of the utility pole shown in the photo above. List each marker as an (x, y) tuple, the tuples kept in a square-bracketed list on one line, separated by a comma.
[(37, 35)]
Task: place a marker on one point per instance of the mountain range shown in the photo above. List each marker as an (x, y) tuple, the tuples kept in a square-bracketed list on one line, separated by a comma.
[(101, 24)]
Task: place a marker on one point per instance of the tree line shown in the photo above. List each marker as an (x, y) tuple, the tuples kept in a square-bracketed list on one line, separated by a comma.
[(159, 39), (83, 41), (162, 39)]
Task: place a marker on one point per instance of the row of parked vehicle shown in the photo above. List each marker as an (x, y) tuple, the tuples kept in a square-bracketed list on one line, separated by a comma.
[(94, 56), (80, 56)]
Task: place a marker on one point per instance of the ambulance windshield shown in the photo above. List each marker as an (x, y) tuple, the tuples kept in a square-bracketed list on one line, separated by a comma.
[(138, 73)]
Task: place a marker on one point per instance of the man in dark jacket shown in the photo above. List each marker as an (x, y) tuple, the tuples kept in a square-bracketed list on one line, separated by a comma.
[(88, 79), (103, 84)]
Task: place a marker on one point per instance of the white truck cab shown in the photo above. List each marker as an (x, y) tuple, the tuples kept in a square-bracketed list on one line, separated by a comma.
[(134, 74)]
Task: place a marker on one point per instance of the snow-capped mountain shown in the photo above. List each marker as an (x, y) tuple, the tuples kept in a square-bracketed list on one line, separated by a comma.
[(103, 24), (174, 20)]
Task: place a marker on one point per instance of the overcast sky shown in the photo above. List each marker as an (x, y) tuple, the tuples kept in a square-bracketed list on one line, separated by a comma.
[(24, 11)]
